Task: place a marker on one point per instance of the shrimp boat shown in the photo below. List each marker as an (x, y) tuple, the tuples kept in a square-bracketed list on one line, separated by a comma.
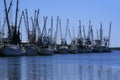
[(73, 47), (11, 50), (12, 46), (63, 48), (31, 50), (44, 41), (45, 48), (102, 44)]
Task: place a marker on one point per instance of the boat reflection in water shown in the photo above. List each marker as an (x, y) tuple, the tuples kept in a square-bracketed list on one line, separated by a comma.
[(10, 69), (27, 68)]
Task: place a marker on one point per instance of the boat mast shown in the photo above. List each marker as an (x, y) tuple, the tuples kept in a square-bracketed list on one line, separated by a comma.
[(60, 29), (101, 33), (80, 33), (34, 27), (51, 27), (27, 23), (37, 23), (10, 6), (20, 20), (33, 32), (16, 34), (89, 29), (73, 32), (66, 30), (44, 32), (70, 35), (56, 29), (16, 16), (7, 19), (84, 32), (97, 35), (92, 35), (109, 34)]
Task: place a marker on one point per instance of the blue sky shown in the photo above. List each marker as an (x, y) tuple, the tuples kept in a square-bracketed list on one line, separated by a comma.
[(84, 10)]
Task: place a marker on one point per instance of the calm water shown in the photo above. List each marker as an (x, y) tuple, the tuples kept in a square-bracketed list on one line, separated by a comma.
[(62, 67)]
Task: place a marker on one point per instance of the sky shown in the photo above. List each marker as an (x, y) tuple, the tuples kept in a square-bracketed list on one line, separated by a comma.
[(95, 10)]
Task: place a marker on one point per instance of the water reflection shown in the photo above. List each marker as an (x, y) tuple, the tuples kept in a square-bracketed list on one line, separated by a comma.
[(26, 68), (10, 69)]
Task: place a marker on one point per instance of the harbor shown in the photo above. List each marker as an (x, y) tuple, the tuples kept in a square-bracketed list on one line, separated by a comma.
[(59, 40), (44, 40)]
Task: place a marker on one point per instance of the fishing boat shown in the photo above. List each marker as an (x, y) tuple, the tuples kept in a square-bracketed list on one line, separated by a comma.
[(101, 49), (63, 48), (31, 50), (11, 50), (45, 50), (102, 44), (73, 49), (45, 46), (12, 47), (45, 41), (73, 46)]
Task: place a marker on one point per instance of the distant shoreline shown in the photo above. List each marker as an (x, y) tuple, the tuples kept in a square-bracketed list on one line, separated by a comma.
[(115, 48)]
